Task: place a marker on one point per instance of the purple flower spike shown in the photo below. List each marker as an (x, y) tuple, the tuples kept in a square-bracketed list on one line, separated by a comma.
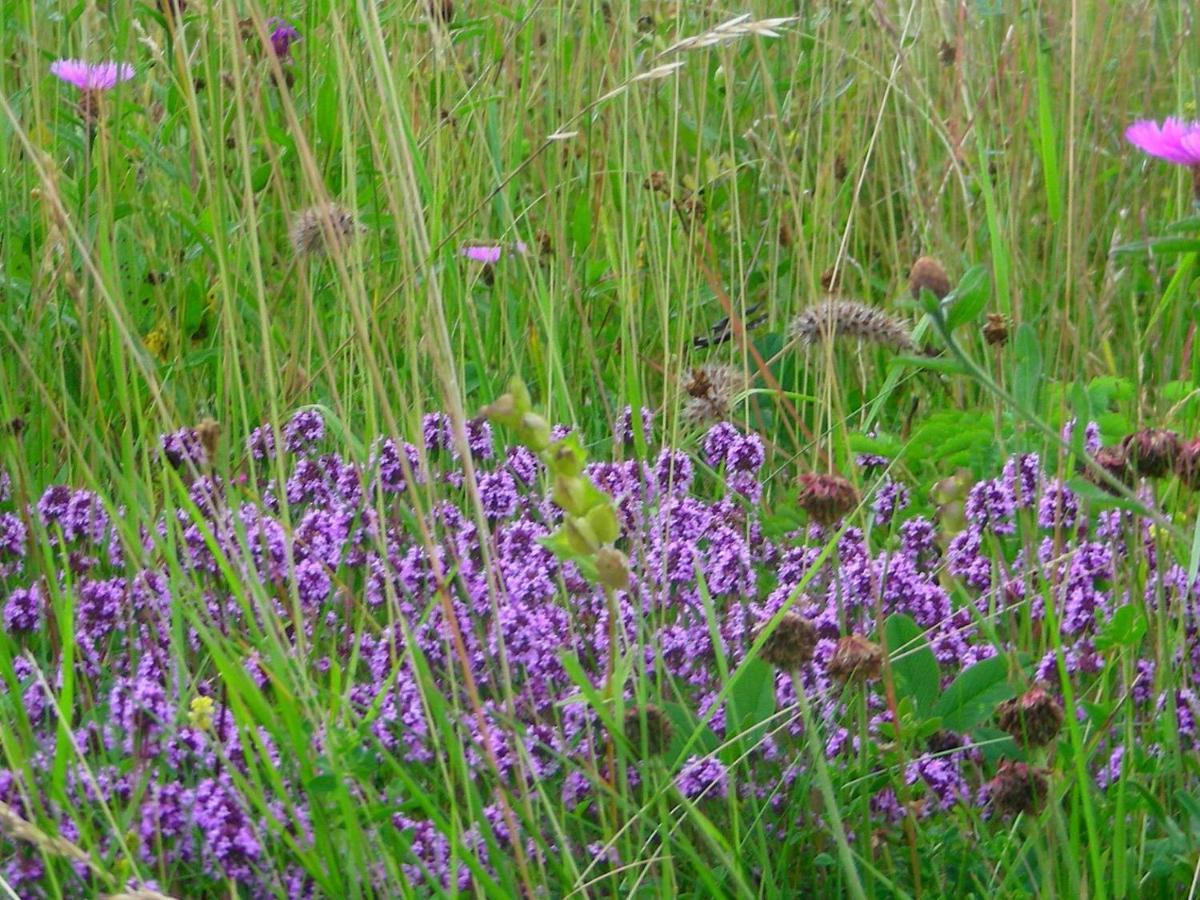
[(1175, 141), (283, 35), (91, 76)]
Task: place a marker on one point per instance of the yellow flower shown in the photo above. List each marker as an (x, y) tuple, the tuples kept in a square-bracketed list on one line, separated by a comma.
[(158, 343), (200, 713)]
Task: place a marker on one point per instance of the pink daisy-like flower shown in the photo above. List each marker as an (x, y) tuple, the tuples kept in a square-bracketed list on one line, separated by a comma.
[(489, 254), (1175, 140), (91, 76)]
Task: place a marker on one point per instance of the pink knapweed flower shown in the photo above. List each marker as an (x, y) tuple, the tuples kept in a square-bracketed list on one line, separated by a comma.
[(489, 254), (1175, 140), (91, 76)]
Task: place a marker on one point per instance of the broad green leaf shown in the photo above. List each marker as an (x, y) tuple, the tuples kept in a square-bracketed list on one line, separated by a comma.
[(973, 695), (913, 664), (969, 298)]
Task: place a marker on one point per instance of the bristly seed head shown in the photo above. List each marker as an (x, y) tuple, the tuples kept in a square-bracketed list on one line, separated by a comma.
[(1033, 719), (1152, 451), (324, 227), (826, 498), (790, 646), (849, 318), (856, 658), (711, 390), (1018, 788), (928, 273), (657, 733)]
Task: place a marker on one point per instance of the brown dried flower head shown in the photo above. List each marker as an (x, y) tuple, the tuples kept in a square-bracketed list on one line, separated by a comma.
[(1187, 463), (208, 432), (849, 318), (711, 390), (790, 646), (995, 331), (1033, 719), (1018, 788), (325, 227), (856, 658), (947, 53), (826, 498), (928, 273), (1152, 451), (1113, 460), (655, 737)]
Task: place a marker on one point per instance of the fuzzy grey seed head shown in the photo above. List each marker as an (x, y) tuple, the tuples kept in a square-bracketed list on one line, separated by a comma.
[(322, 228), (849, 318)]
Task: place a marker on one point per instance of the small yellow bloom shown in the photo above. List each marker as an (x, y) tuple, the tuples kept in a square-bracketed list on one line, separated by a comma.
[(200, 713), (158, 343)]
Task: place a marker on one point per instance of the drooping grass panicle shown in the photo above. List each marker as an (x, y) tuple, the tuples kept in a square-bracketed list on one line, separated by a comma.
[(838, 318)]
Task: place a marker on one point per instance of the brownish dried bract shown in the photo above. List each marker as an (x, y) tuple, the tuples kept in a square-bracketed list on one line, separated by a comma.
[(1152, 451), (208, 432), (324, 227), (1033, 719), (790, 646), (852, 319), (1187, 463), (995, 331), (947, 53), (826, 498), (657, 181), (927, 273), (856, 658), (1018, 788), (711, 390), (1115, 462), (652, 739)]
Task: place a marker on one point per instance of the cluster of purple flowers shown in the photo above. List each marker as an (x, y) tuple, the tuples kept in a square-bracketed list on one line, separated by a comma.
[(331, 559)]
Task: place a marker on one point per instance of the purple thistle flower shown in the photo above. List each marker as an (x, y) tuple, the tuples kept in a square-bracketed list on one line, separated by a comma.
[(489, 254), (1175, 140), (283, 35), (91, 76)]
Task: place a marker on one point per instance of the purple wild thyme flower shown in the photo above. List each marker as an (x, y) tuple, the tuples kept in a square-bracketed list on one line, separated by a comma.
[(702, 776), (891, 497), (991, 506), (305, 428)]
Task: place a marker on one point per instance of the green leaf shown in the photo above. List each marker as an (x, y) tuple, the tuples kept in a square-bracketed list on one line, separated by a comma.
[(323, 784), (948, 365), (973, 694), (1027, 375), (752, 694), (1126, 628), (969, 298), (913, 663), (1098, 497), (1164, 246)]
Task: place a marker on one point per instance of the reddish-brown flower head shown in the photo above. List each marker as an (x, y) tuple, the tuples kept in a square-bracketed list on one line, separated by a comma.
[(995, 331), (1113, 460), (928, 273), (856, 658), (826, 498), (791, 644), (1033, 719), (1152, 451), (1187, 463), (1018, 788)]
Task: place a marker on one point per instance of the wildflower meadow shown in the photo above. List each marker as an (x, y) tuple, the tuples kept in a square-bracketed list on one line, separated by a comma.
[(566, 449)]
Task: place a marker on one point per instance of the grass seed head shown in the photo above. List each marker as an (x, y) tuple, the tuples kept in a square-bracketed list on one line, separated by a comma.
[(849, 318), (325, 227)]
